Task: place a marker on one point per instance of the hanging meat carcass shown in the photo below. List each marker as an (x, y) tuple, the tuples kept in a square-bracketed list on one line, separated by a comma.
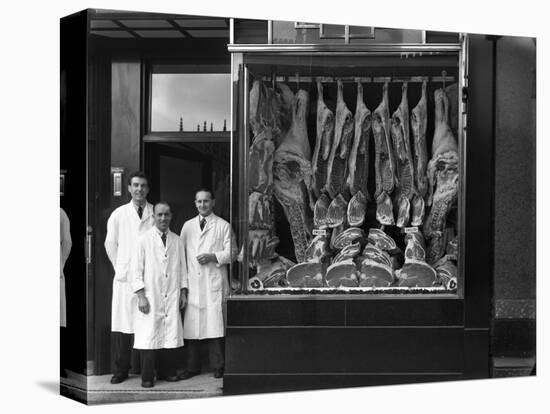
[(292, 174), (323, 143), (442, 178), (358, 163), (403, 157), (384, 162), (339, 152), (419, 123)]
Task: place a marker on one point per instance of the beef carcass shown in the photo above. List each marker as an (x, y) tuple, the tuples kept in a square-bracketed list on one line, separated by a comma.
[(419, 123), (320, 212), (336, 213), (267, 111), (305, 275), (384, 162), (292, 175), (357, 209), (342, 274), (339, 152), (358, 163), (403, 156), (259, 211), (261, 162), (442, 177), (323, 143)]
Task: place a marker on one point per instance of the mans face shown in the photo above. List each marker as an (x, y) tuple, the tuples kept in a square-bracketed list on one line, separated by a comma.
[(138, 189), (162, 217), (204, 203)]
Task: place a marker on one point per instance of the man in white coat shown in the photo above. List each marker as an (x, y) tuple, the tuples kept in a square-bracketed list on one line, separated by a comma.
[(65, 250), (124, 227), (209, 247), (159, 278)]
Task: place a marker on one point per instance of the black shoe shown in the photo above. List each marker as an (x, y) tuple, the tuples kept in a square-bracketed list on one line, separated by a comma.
[(188, 374), (171, 378), (218, 373), (147, 384), (118, 378)]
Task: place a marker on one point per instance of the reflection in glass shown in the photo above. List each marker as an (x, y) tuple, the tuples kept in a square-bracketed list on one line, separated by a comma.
[(190, 102)]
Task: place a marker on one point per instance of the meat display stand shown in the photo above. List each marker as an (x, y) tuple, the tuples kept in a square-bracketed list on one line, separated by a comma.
[(293, 321)]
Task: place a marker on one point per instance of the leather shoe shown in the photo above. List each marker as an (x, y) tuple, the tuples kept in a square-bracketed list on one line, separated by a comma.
[(118, 378), (218, 373), (147, 384), (171, 378), (188, 374)]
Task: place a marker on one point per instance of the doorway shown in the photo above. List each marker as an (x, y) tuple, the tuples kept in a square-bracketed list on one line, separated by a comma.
[(178, 169)]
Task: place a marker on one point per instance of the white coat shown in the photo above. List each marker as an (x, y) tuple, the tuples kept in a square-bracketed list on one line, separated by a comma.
[(65, 250), (123, 229), (208, 284), (162, 273)]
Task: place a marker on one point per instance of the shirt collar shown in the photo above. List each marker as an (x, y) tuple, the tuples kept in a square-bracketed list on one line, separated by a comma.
[(160, 232), (207, 218)]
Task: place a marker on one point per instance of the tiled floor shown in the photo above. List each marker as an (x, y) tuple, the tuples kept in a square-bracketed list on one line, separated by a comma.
[(100, 390)]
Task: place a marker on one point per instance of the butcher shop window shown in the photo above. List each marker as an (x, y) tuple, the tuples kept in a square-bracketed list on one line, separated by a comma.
[(190, 102), (353, 176)]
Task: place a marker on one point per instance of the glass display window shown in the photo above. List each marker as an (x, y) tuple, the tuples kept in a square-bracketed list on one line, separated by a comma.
[(352, 176)]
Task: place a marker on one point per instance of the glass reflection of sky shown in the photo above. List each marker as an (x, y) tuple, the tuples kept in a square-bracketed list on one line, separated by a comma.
[(193, 97)]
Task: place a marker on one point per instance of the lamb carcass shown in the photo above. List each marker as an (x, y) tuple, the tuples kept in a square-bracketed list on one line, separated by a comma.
[(358, 163), (292, 175), (384, 162), (339, 152), (404, 164), (323, 143), (442, 177)]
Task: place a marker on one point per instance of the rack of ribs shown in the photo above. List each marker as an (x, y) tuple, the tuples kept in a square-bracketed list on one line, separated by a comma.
[(403, 157), (442, 178), (339, 152), (384, 162)]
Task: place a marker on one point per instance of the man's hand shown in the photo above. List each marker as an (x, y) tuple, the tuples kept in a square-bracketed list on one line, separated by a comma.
[(183, 298), (143, 303), (207, 258)]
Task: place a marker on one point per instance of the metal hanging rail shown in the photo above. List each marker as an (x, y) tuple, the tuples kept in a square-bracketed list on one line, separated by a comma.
[(347, 49), (354, 79)]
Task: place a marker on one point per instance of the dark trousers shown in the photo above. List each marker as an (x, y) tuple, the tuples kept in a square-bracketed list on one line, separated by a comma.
[(63, 356), (122, 349), (215, 353), (164, 360)]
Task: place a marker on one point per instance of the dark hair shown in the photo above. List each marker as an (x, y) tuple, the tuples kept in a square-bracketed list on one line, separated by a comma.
[(162, 203), (138, 174), (205, 190)]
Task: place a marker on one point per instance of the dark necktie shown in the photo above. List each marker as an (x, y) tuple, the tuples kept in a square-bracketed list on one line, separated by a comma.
[(163, 237), (203, 223), (140, 211)]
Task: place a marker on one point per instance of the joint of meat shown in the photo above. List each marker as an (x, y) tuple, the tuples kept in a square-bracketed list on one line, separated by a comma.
[(306, 275), (357, 209), (375, 274), (320, 212), (336, 213), (318, 250), (342, 274), (384, 209)]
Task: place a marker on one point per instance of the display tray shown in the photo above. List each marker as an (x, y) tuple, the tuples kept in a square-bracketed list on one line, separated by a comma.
[(350, 290)]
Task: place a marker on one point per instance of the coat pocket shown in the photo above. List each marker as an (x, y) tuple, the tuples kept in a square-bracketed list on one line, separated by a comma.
[(121, 271), (215, 282)]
